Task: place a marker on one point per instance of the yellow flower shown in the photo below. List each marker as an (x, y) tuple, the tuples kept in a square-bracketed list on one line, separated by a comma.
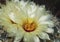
[(26, 20)]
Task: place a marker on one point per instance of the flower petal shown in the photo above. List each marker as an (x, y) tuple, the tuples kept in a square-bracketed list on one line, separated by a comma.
[(18, 37), (15, 13), (31, 8), (36, 39), (40, 12), (31, 38), (4, 20), (19, 34), (11, 29), (44, 36), (15, 18), (50, 30), (28, 8), (45, 18), (15, 0), (28, 38), (48, 23)]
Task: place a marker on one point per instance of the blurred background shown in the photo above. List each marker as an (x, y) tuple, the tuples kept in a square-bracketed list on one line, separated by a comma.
[(52, 5)]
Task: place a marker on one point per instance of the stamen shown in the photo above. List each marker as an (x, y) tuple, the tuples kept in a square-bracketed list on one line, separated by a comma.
[(29, 26)]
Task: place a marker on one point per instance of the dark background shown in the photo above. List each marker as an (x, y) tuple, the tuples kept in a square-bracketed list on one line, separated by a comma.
[(52, 5)]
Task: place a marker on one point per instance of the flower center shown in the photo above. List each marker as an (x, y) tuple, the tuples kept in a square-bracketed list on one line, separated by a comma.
[(29, 26)]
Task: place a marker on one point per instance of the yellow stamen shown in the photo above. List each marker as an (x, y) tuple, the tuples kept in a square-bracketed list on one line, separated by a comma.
[(29, 25)]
